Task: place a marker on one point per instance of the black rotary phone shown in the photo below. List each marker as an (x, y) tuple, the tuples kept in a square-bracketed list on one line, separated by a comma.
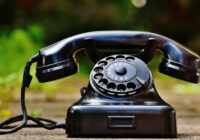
[(120, 99)]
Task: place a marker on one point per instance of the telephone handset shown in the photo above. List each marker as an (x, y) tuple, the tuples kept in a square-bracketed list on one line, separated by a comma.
[(58, 61), (120, 99)]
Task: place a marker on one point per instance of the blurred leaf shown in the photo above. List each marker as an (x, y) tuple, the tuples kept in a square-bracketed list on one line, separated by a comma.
[(16, 47), (186, 88), (4, 113), (36, 33), (36, 112)]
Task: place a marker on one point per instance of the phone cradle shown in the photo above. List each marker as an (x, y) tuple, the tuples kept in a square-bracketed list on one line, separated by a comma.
[(116, 108)]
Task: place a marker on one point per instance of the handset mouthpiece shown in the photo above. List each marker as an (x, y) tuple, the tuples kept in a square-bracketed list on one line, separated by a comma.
[(55, 62)]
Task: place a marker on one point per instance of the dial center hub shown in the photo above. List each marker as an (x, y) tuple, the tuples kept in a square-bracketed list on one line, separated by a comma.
[(120, 70)]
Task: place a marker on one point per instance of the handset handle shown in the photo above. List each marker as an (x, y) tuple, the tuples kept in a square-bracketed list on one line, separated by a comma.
[(98, 44)]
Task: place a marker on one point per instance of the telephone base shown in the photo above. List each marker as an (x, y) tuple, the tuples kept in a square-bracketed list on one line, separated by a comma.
[(121, 121)]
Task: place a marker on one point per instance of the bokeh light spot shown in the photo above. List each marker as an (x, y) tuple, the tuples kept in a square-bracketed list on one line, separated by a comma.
[(139, 3)]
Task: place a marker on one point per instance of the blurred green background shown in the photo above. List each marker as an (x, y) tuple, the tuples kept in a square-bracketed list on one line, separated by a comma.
[(28, 25)]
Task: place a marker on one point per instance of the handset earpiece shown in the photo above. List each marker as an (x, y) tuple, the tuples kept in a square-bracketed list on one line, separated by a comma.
[(179, 62)]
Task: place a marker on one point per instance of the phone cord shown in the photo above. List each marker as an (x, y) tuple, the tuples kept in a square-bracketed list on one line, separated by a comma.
[(6, 127)]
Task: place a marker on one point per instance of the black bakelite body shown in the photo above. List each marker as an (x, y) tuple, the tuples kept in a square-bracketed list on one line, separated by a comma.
[(121, 119), (121, 99), (126, 107)]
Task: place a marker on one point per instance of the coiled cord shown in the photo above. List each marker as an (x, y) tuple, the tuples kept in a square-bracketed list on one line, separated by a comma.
[(6, 126)]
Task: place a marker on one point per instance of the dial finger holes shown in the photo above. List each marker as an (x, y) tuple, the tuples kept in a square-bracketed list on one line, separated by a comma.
[(98, 76), (121, 87), (103, 82), (102, 63), (110, 59), (111, 86), (130, 58), (120, 57), (98, 69), (131, 86)]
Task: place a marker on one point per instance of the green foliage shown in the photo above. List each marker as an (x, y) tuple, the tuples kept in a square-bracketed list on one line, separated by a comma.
[(55, 20), (16, 48), (154, 63), (4, 113), (186, 88), (36, 112)]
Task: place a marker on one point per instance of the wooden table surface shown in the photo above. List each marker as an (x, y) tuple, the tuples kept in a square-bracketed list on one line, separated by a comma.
[(187, 108), (188, 128)]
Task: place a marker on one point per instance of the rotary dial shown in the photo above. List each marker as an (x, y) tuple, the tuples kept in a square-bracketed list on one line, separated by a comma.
[(120, 75)]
